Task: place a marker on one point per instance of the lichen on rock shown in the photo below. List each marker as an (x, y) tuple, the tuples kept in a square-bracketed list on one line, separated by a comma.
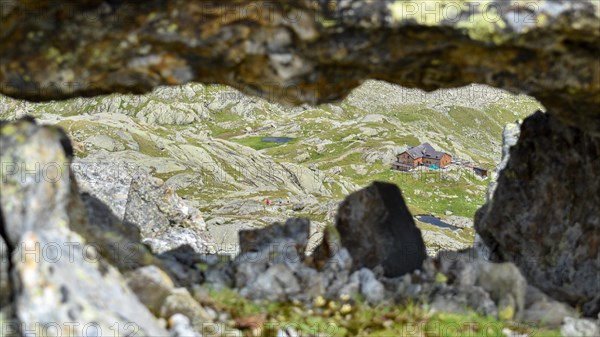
[(543, 214), (57, 276), (302, 51)]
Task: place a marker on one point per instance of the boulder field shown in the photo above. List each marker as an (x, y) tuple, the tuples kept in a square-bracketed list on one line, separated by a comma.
[(63, 246), (542, 215)]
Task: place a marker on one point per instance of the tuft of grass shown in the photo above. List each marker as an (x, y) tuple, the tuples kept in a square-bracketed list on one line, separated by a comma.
[(353, 317)]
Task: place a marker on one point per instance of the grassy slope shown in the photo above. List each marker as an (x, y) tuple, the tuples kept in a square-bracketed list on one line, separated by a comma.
[(330, 138), (463, 131), (352, 317)]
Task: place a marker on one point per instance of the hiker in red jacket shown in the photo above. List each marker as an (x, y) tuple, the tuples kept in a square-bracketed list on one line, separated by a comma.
[(268, 202)]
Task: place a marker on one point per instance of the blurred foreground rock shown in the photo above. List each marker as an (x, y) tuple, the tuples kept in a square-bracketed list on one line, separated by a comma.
[(454, 281), (272, 265), (376, 227), (557, 247), (57, 276)]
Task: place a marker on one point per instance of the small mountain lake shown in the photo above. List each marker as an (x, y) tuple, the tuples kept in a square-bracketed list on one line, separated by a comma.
[(430, 219), (276, 139)]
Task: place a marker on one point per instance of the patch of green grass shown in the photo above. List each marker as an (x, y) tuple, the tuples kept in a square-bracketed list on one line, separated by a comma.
[(457, 325), (147, 146), (353, 317), (434, 192)]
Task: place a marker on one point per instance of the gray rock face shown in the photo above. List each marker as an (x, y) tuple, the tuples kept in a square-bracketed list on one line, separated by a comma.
[(296, 230), (376, 227), (574, 327), (549, 226), (30, 196), (510, 136), (58, 277), (543, 309), (62, 291), (5, 285), (105, 179), (164, 220)]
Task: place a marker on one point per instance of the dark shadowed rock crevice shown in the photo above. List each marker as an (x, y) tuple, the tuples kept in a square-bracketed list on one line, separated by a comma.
[(5, 267)]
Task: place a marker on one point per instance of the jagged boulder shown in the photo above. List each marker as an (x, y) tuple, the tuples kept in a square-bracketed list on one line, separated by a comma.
[(146, 207), (270, 264), (377, 228), (57, 276), (543, 214), (164, 220), (296, 230), (273, 266)]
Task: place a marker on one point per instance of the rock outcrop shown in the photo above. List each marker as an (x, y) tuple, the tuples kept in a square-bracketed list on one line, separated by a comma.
[(163, 219), (272, 265), (57, 276), (454, 281), (543, 214), (377, 228)]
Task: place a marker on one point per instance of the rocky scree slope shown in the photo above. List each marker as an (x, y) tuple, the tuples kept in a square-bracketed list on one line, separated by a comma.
[(205, 143), (167, 293)]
